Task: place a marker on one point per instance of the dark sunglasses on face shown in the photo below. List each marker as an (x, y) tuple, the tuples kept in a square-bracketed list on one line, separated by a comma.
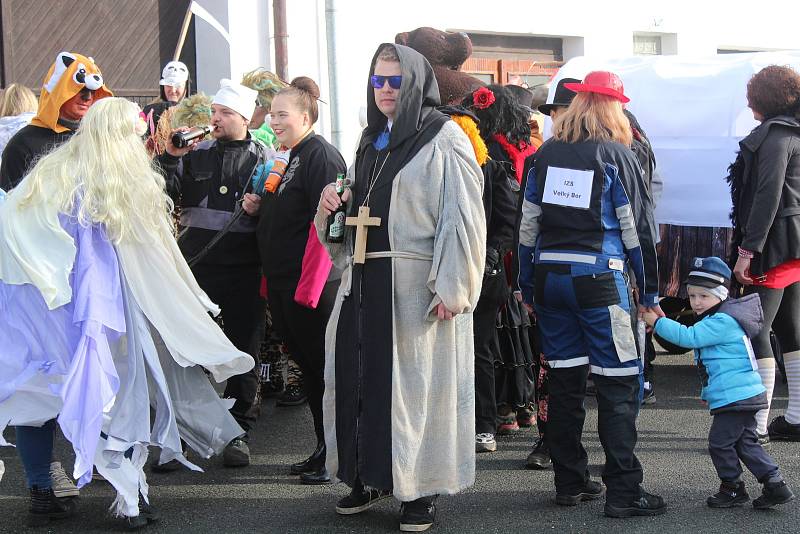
[(378, 81)]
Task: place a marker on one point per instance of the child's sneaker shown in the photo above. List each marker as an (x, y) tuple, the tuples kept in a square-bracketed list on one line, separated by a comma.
[(772, 494), (730, 494)]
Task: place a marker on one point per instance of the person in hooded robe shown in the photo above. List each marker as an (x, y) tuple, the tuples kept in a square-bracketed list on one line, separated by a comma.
[(399, 401)]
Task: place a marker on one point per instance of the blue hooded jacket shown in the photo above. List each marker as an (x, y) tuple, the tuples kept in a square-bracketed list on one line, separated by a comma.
[(720, 342)]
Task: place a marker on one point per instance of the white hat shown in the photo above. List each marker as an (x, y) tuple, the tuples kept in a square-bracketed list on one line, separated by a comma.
[(174, 73), (239, 98)]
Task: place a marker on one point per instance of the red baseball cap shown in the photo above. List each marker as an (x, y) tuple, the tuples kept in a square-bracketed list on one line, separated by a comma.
[(601, 82)]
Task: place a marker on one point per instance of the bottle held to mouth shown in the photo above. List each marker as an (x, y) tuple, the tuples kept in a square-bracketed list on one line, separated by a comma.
[(187, 138)]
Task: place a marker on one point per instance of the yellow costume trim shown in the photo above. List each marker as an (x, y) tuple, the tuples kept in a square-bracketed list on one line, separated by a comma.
[(471, 129)]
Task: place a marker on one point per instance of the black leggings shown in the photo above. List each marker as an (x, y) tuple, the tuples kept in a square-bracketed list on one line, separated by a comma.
[(781, 315)]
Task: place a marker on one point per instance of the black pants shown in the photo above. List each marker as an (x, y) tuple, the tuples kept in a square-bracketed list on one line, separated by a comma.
[(487, 351), (617, 407), (781, 315), (234, 289), (732, 438), (303, 331)]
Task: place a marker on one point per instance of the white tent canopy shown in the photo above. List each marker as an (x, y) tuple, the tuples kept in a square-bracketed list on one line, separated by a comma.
[(694, 110)]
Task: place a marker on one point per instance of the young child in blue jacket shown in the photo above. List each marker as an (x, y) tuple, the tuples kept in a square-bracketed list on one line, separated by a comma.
[(731, 385)]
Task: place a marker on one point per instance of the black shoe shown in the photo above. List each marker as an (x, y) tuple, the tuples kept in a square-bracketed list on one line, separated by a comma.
[(147, 515), (360, 499), (172, 465), (312, 463), (649, 396), (271, 389), (591, 490), (646, 504), (539, 458), (417, 516), (763, 439), (730, 494), (315, 478), (293, 396), (46, 506), (772, 494), (781, 430), (236, 454)]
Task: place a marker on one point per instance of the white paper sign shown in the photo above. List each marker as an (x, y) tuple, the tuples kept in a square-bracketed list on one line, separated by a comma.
[(568, 187)]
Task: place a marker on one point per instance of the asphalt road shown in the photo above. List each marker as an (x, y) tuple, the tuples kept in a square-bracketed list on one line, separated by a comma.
[(506, 498)]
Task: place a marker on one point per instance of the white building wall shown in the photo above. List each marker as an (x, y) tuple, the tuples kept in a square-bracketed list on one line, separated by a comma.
[(588, 27)]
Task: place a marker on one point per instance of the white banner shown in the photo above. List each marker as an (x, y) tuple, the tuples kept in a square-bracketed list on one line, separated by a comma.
[(201, 12), (694, 110)]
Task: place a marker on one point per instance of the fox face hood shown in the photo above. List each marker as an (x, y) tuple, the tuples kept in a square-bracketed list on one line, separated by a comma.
[(68, 76)]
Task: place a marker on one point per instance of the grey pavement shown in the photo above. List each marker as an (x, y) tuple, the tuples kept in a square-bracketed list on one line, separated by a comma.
[(505, 498)]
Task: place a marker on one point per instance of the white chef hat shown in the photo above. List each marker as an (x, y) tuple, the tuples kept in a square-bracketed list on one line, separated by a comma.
[(174, 73), (239, 98)]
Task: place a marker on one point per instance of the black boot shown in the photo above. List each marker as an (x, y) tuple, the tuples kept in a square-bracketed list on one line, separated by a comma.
[(311, 463), (730, 494), (45, 506), (772, 494)]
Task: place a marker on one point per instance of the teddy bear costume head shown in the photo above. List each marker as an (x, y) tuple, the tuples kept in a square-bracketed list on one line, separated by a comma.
[(446, 52)]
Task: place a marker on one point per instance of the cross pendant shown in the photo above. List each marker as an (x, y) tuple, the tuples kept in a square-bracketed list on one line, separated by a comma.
[(362, 224)]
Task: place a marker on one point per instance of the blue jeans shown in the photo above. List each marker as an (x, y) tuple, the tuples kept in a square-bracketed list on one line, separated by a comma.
[(35, 448)]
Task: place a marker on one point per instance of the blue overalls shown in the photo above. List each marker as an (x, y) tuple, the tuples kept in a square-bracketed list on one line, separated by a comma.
[(586, 220)]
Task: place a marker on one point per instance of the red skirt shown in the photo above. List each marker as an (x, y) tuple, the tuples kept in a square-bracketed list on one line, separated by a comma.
[(784, 275)]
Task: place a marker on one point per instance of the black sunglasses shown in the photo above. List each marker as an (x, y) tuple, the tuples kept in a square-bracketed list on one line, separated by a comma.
[(379, 81)]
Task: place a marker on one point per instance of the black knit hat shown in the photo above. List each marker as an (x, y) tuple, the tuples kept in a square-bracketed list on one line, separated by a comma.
[(562, 98)]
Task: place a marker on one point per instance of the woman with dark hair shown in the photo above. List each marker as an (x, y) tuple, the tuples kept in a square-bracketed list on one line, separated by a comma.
[(506, 131), (586, 219), (290, 250), (765, 190)]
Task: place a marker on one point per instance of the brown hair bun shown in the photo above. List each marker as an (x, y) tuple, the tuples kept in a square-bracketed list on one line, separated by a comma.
[(306, 84)]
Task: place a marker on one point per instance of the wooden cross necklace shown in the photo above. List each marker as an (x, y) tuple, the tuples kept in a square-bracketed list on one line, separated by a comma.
[(364, 221)]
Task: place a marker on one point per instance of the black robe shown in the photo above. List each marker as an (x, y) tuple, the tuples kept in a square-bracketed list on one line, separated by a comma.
[(364, 336)]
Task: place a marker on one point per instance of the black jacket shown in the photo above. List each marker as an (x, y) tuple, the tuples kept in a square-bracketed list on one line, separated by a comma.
[(765, 190), (23, 148), (286, 215), (207, 183)]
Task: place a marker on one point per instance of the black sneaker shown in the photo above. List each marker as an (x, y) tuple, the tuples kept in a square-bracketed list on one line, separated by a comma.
[(646, 504), (772, 494), (147, 515), (293, 395), (730, 494), (46, 506), (781, 430), (417, 516), (539, 458), (360, 499), (649, 396), (591, 491), (236, 454)]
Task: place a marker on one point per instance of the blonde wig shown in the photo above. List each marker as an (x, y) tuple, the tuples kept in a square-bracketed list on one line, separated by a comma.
[(18, 99), (593, 117), (266, 83), (103, 175)]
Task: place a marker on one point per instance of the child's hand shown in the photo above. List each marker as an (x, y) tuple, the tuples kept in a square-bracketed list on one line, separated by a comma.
[(650, 317)]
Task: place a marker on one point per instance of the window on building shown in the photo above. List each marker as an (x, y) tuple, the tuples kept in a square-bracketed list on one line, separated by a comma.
[(647, 45)]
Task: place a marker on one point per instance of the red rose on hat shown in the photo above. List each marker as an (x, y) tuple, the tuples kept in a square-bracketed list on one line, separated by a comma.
[(483, 98)]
